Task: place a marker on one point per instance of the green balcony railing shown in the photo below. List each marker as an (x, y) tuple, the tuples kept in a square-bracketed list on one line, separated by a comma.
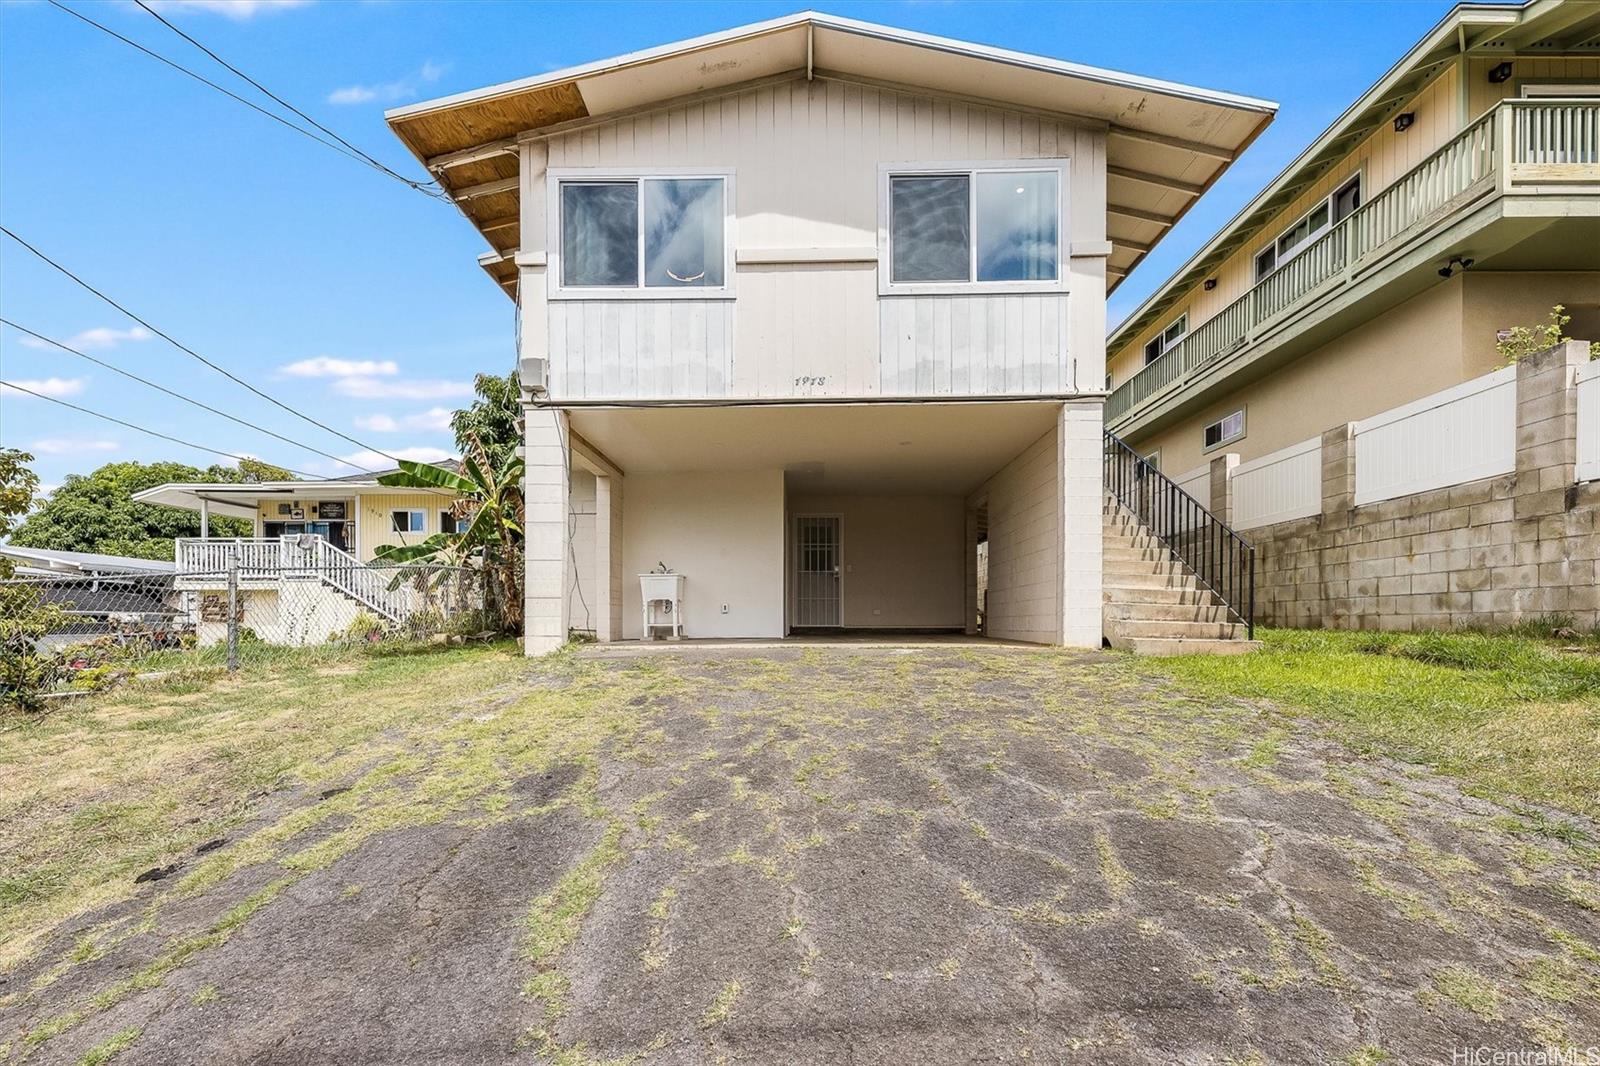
[(1515, 142)]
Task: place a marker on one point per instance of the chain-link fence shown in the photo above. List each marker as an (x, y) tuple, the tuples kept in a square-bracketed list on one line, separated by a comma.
[(70, 631)]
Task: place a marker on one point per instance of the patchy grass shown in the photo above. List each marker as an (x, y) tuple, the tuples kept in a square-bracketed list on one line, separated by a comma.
[(1514, 716), (100, 790)]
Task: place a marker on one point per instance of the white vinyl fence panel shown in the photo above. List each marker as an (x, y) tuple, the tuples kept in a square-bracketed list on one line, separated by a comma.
[(1197, 483), (1277, 487), (1589, 422), (1465, 433)]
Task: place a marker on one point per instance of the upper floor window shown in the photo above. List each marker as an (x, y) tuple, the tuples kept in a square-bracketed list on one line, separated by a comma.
[(1224, 430), (408, 522), (1338, 206), (1162, 342), (987, 226), (646, 234)]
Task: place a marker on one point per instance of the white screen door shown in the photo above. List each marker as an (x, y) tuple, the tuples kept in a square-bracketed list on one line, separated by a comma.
[(816, 570)]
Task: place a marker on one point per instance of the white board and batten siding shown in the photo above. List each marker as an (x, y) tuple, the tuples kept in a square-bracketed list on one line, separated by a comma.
[(1589, 421), (806, 318), (631, 348), (1464, 433), (1278, 487)]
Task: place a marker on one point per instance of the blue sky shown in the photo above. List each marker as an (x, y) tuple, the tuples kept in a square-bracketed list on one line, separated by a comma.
[(357, 300)]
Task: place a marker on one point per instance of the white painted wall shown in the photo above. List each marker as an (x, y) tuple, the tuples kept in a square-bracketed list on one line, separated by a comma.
[(724, 532), (1024, 545), (1278, 486), (1463, 433), (583, 587), (903, 558), (1589, 421), (807, 318)]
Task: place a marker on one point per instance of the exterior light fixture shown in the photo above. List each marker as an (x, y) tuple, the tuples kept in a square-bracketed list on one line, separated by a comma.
[(1210, 284), (1404, 121), (1456, 263), (1500, 73)]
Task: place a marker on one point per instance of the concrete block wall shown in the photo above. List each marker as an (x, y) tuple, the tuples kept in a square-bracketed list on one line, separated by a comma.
[(1491, 552)]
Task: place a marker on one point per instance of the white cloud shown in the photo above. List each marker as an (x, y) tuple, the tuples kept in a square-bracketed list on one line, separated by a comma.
[(324, 367), (369, 388), (434, 418), (71, 446), (98, 338), (238, 10), (389, 91), (52, 387), (374, 461)]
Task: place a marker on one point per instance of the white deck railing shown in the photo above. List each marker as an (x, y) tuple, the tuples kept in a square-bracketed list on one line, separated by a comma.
[(294, 558), (1517, 145)]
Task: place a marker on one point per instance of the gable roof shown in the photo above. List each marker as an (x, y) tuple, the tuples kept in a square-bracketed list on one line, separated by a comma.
[(1468, 28), (1167, 142)]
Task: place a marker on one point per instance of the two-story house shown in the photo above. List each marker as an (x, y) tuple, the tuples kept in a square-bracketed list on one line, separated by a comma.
[(812, 313), (1328, 372)]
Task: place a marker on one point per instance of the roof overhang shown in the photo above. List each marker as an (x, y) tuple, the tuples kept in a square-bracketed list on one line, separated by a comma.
[(1543, 26), (242, 500), (1167, 142)]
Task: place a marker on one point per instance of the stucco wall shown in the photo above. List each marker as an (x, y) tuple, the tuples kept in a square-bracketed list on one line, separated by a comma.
[(1025, 556), (1437, 339), (724, 532), (902, 558)]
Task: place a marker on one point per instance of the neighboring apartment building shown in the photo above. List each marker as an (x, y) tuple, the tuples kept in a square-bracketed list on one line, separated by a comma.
[(811, 309), (1323, 372)]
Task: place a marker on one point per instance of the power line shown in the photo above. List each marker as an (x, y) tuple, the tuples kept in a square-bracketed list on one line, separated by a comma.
[(203, 80), (419, 186), (190, 351), (354, 154), (152, 432), (178, 395)]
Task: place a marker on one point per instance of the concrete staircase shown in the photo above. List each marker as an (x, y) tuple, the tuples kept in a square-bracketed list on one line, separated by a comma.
[(1152, 603)]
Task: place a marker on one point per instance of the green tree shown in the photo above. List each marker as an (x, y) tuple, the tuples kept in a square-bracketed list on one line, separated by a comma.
[(491, 534), (18, 483), (24, 614), (95, 512), (490, 421)]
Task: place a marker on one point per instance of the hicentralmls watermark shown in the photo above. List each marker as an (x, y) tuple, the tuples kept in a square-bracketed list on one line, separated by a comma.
[(1571, 1055)]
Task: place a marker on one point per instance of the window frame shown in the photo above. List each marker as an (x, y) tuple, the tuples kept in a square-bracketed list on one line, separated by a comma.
[(1279, 261), (555, 177), (1161, 338), (408, 511), (1244, 428), (887, 172)]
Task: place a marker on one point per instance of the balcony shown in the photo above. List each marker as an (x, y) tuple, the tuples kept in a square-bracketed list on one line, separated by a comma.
[(1530, 147)]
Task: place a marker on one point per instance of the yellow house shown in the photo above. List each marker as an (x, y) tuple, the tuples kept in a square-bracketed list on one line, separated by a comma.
[(1329, 373), (1457, 198), (306, 572)]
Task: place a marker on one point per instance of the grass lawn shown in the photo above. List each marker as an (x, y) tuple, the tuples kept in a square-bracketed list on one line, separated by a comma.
[(101, 789), (1513, 716)]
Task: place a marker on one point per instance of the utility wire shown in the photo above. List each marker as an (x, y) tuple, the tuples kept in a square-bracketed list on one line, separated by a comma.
[(152, 432), (428, 188), (208, 82), (190, 351), (178, 395)]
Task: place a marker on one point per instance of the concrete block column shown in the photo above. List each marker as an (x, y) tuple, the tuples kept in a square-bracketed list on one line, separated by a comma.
[(1547, 429), (1339, 468), (547, 550), (1222, 486), (1078, 462), (608, 556)]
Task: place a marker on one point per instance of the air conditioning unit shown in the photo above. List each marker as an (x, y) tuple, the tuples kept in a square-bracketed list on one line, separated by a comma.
[(535, 373)]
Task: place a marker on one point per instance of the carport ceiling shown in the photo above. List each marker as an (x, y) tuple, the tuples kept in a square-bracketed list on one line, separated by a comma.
[(896, 449)]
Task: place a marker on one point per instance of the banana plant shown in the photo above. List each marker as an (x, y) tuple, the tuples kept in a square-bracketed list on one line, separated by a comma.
[(489, 499)]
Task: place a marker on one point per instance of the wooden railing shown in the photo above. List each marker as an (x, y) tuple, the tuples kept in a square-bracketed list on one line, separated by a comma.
[(296, 558), (1517, 142)]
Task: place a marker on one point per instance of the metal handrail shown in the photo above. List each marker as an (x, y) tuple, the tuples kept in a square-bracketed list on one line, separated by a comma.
[(1222, 561), (1541, 131)]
